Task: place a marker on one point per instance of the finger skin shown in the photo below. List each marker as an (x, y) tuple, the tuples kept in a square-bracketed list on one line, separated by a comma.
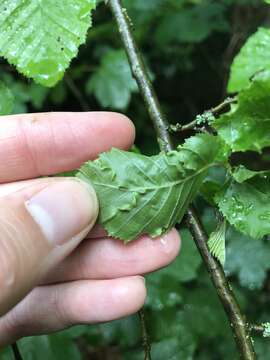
[(33, 145), (52, 308), (27, 252), (108, 258)]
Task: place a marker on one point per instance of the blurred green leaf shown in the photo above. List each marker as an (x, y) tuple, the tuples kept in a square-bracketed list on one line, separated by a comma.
[(248, 259), (6, 99), (125, 333), (112, 83), (38, 95), (53, 347), (193, 24)]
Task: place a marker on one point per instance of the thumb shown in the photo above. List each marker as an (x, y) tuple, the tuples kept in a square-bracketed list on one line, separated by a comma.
[(39, 226)]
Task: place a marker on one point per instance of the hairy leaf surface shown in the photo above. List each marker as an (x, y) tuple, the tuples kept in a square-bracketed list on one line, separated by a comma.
[(41, 37), (253, 58), (247, 125), (140, 194)]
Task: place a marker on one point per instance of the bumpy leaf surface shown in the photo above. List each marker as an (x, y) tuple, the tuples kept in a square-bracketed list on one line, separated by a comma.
[(253, 58), (247, 205), (247, 125), (40, 37), (140, 194)]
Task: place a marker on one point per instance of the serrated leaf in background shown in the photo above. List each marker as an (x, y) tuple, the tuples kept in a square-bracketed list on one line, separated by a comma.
[(216, 243), (246, 206), (249, 259), (149, 195), (112, 83), (253, 58), (41, 37), (6, 99), (247, 125)]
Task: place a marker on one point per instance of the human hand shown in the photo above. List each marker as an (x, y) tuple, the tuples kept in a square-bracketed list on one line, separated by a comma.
[(48, 279)]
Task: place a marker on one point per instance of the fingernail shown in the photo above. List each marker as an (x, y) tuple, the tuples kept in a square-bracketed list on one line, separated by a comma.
[(63, 210)]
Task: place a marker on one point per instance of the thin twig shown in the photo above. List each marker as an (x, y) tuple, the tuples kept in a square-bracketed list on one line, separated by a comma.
[(77, 93), (16, 352), (145, 336), (194, 123), (225, 293)]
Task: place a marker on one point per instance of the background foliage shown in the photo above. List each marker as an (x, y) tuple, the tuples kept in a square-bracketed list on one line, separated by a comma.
[(189, 46)]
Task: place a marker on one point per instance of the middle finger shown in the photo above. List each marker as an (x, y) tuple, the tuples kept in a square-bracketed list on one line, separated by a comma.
[(107, 258)]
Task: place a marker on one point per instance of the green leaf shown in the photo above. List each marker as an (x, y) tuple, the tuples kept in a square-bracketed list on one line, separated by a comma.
[(140, 194), (247, 205), (124, 332), (53, 347), (38, 95), (248, 259), (216, 242), (213, 183), (253, 58), (40, 37), (171, 338), (247, 125), (192, 24), (241, 173), (112, 83), (173, 349), (20, 92), (6, 99), (163, 290)]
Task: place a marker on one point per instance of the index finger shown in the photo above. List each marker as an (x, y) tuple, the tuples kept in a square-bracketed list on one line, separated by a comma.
[(33, 145)]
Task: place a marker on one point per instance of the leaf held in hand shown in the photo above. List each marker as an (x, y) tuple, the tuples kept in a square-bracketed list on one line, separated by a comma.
[(140, 194)]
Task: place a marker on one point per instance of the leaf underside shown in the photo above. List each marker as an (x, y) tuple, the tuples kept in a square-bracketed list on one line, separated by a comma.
[(147, 195), (40, 37)]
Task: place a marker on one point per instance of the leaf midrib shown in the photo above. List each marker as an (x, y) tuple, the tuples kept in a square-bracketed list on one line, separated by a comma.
[(153, 188)]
